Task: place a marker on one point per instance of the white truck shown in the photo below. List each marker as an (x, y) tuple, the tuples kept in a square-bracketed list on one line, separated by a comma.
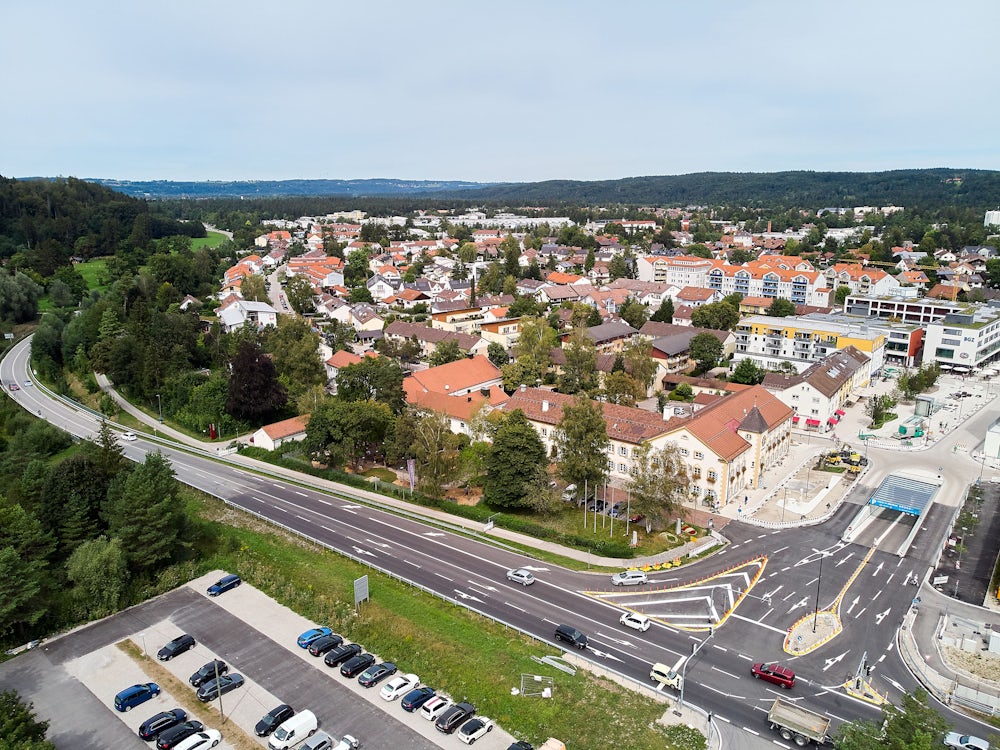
[(797, 724)]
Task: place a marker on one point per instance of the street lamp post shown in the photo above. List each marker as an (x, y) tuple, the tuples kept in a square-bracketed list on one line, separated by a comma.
[(819, 580), (159, 407), (695, 647), (784, 502), (143, 637)]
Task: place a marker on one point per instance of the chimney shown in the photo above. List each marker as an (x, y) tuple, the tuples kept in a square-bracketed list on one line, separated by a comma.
[(523, 387), (545, 405), (447, 387), (768, 226)]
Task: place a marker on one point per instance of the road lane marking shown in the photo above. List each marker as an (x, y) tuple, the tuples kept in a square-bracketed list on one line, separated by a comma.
[(723, 649), (514, 606), (759, 624), (303, 494), (408, 562), (744, 656), (727, 674), (442, 575)]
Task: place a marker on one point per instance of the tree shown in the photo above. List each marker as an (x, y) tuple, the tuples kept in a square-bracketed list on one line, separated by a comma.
[(19, 730), (356, 269), (344, 432), (25, 549), (877, 408), (622, 389), (254, 391), (108, 454), (781, 308), (522, 371), (536, 342), (360, 293), (841, 294), (19, 297), (683, 392), (436, 453), (665, 312), (373, 379), (582, 443), (633, 312), (658, 483), (445, 351), (718, 315), (639, 362), (301, 295), (513, 464), (748, 373), (294, 347), (734, 300), (497, 354), (580, 370), (71, 501), (705, 349), (740, 255), (144, 511), (98, 570), (914, 725), (618, 268), (254, 287)]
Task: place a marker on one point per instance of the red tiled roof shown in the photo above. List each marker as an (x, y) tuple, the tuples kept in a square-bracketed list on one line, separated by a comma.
[(454, 376), (286, 427)]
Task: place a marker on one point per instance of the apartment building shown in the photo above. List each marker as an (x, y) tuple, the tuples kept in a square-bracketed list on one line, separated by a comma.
[(965, 340), (799, 341)]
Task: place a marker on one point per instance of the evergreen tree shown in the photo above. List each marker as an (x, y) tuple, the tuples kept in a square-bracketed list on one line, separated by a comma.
[(254, 392), (665, 312)]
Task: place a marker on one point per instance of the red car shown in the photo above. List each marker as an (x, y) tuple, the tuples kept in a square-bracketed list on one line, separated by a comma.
[(14, 387), (775, 673)]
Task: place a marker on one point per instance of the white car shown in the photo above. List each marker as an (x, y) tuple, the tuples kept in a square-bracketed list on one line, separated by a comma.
[(522, 576), (201, 740), (436, 706), (965, 742), (474, 728), (348, 743), (635, 621), (399, 685), (629, 578), (128, 436)]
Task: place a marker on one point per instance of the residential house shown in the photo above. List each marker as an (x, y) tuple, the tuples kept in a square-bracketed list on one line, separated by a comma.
[(272, 436), (608, 337), (236, 312), (695, 296), (428, 338)]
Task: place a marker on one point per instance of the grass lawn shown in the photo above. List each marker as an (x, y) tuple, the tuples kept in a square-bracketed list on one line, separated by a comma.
[(93, 271), (213, 239), (456, 651), (385, 475)]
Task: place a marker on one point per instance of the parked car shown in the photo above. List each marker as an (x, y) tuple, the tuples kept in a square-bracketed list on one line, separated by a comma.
[(311, 635), (416, 698), (617, 510), (775, 673), (325, 643), (293, 730), (214, 688), (159, 722), (521, 745), (376, 673), (474, 728), (176, 647), (597, 506), (201, 740), (571, 635), (636, 518), (436, 706), (224, 584), (341, 654), (522, 576), (629, 578), (272, 719), (398, 686), (215, 668), (171, 738), (635, 621), (965, 742), (347, 742), (454, 717), (132, 696), (356, 665), (319, 741)]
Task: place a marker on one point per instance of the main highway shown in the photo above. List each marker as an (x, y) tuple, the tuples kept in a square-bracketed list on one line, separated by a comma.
[(790, 569)]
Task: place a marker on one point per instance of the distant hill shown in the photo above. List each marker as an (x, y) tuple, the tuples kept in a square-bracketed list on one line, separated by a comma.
[(907, 187)]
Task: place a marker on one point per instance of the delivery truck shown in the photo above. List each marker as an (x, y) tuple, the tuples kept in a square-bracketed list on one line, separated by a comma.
[(798, 724)]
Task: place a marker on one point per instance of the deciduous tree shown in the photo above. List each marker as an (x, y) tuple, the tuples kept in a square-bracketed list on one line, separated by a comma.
[(658, 483), (718, 315), (373, 379), (98, 569), (582, 443), (705, 349), (513, 464), (445, 351), (781, 308), (747, 372), (580, 370)]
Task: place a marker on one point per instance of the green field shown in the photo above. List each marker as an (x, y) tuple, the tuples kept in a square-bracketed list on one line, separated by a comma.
[(93, 272), (213, 239)]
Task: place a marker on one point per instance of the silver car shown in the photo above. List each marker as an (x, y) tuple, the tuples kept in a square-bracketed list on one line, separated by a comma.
[(522, 576)]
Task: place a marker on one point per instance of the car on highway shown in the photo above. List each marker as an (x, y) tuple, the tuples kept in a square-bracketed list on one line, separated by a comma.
[(958, 741), (311, 635), (201, 740), (273, 719), (398, 686), (356, 665), (629, 578), (571, 635), (224, 584), (214, 688), (159, 722), (135, 695), (341, 654), (215, 668), (176, 647), (774, 673), (128, 436), (28, 384), (14, 387), (327, 643), (635, 621), (171, 738), (474, 728), (454, 717), (416, 698), (436, 706), (376, 673), (522, 576)]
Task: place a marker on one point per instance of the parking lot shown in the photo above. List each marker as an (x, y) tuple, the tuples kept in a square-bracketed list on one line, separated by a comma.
[(72, 680)]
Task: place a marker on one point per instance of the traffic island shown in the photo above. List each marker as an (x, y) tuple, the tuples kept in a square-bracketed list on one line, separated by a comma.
[(812, 631), (863, 690)]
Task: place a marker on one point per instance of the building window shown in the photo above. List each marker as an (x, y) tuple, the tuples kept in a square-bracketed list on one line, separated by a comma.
[(795, 397), (684, 451), (545, 432), (712, 476), (944, 353), (622, 469), (623, 451), (699, 455)]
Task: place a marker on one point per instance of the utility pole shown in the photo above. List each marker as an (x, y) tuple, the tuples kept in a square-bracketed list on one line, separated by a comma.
[(695, 648)]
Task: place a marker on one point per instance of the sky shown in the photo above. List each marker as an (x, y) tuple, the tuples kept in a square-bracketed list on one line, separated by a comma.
[(495, 92)]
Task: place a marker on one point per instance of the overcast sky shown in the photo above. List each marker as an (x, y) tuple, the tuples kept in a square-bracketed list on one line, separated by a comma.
[(499, 91)]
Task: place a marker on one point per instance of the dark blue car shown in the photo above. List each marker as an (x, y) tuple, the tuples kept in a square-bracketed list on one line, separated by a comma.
[(224, 584), (160, 722), (416, 698), (131, 697)]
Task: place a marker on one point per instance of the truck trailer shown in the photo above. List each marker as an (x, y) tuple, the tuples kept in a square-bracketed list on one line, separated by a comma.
[(797, 724)]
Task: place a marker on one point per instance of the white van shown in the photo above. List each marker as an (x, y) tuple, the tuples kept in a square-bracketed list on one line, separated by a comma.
[(293, 731), (668, 676)]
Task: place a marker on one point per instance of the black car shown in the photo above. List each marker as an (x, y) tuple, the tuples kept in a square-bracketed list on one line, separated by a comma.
[(571, 636), (454, 717), (321, 645), (356, 665), (273, 719), (341, 654), (159, 722), (416, 698), (171, 737), (177, 646), (376, 673), (216, 687), (521, 745), (215, 668)]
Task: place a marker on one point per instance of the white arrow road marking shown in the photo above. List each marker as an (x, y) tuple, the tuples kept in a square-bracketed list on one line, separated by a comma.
[(383, 545), (878, 569), (364, 552), (853, 604), (895, 684), (434, 533), (834, 660), (881, 616), (601, 653), (482, 586), (841, 562), (533, 569), (463, 595), (615, 640), (801, 603)]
